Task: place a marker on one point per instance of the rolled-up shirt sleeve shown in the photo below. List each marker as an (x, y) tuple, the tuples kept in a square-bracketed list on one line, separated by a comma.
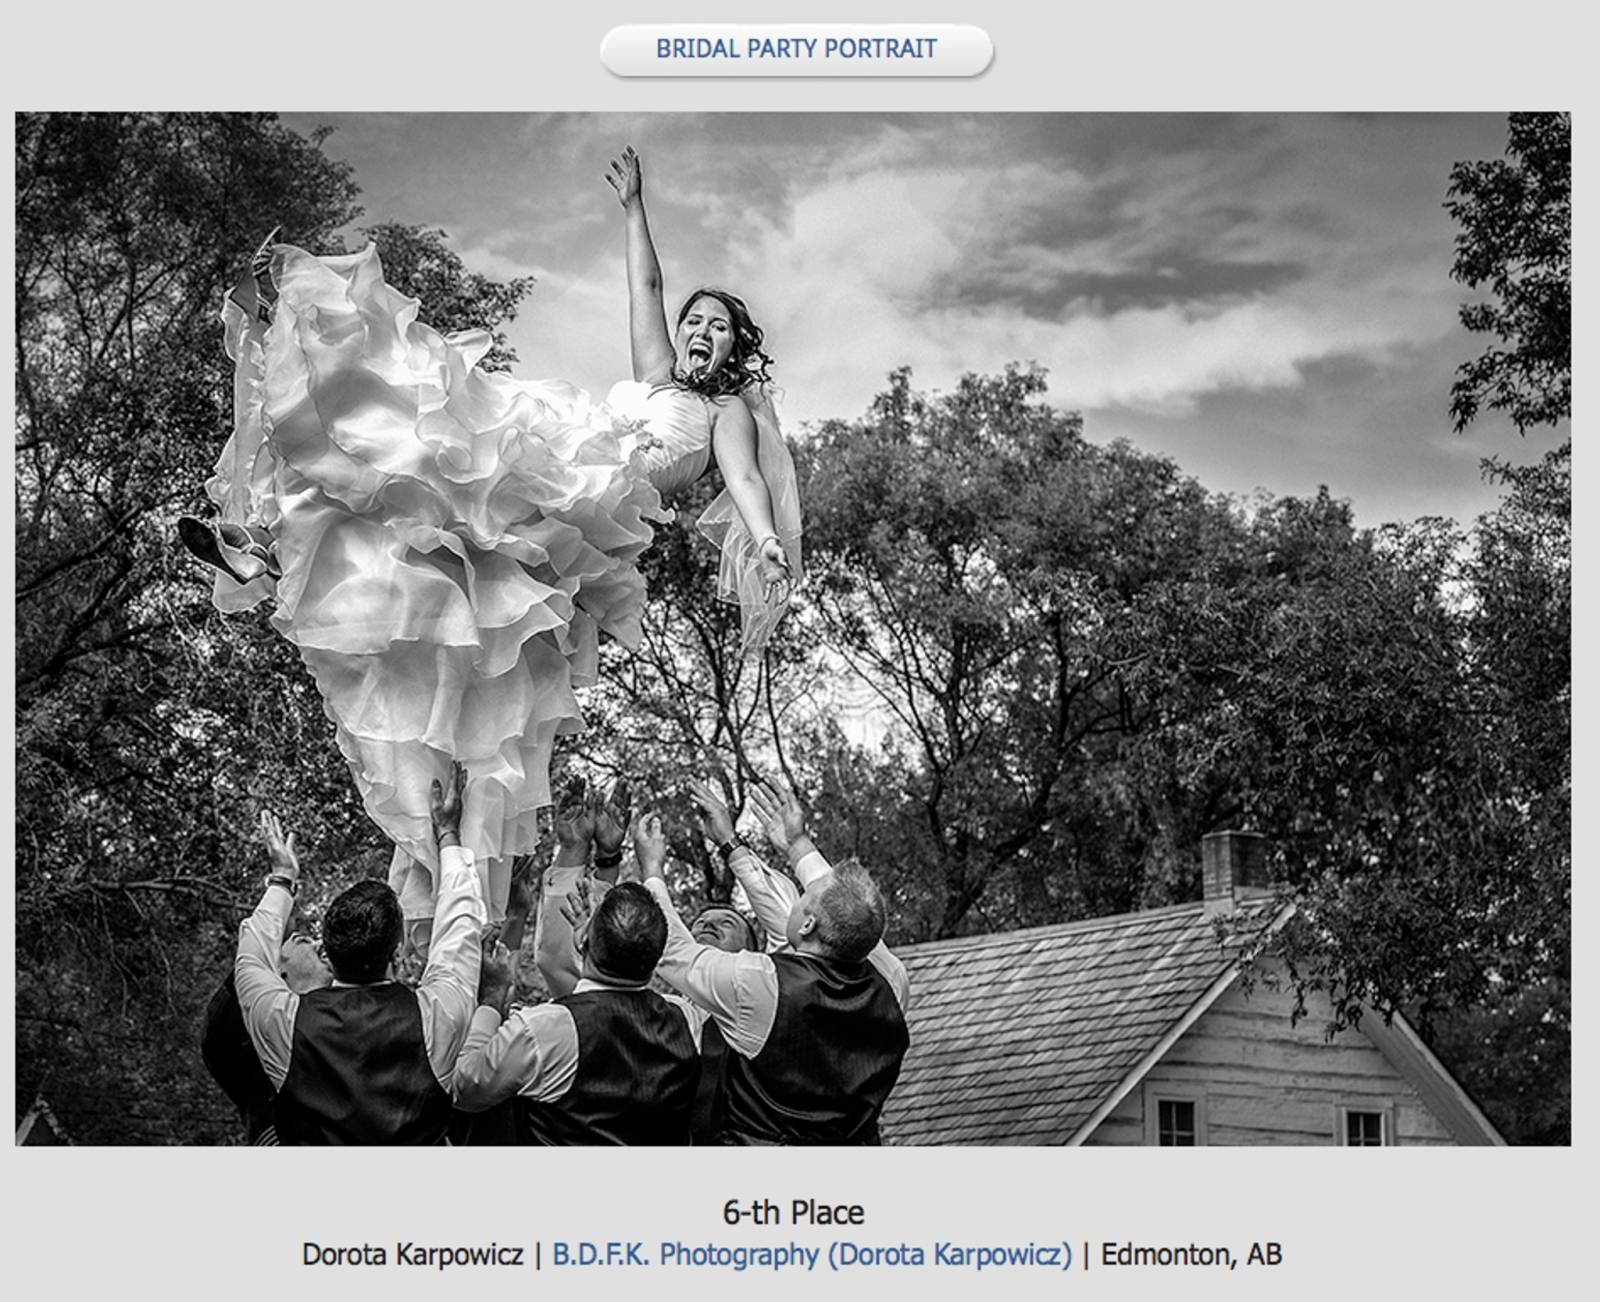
[(772, 895), (265, 1000), (810, 866), (740, 991), (448, 991)]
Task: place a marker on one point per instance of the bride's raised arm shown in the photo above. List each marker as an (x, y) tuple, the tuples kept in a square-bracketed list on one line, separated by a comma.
[(647, 316)]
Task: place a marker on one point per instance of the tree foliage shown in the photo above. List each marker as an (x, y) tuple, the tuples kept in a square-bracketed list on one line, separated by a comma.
[(988, 574), (1516, 241), (1087, 662), (149, 728)]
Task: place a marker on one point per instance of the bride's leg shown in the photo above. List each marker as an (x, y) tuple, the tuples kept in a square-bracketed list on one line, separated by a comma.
[(413, 883)]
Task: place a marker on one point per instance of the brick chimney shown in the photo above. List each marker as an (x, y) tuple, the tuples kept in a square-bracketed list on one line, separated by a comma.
[(1233, 866)]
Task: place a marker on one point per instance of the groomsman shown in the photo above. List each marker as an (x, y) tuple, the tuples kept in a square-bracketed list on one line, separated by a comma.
[(817, 1028), (611, 1062), (366, 1060)]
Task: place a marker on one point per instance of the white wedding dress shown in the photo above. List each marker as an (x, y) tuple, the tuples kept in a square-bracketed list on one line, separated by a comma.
[(451, 542)]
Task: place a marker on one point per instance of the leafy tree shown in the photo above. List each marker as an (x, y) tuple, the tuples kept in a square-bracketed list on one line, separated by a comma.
[(1089, 663), (1513, 1047), (992, 577), (150, 728), (1516, 240), (1513, 1044), (129, 229)]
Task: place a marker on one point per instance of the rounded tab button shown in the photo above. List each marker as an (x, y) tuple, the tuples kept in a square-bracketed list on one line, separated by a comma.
[(796, 50)]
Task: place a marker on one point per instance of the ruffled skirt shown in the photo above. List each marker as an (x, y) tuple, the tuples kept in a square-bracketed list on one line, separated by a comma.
[(451, 542)]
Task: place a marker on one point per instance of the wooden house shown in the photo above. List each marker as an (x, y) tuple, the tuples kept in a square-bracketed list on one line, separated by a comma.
[(1140, 1029)]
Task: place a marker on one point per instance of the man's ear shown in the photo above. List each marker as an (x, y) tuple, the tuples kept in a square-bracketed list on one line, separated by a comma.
[(809, 925)]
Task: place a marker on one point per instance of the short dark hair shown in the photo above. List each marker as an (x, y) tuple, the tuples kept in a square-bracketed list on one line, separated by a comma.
[(627, 933), (850, 915), (746, 365), (361, 931)]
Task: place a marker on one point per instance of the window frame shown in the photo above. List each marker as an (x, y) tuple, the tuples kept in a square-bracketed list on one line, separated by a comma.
[(1155, 1095), (1383, 1111)]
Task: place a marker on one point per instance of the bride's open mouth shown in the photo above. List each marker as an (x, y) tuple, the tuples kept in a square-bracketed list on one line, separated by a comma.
[(699, 353)]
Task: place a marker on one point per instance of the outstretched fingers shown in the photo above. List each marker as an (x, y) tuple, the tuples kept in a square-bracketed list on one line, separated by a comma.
[(650, 844), (625, 175)]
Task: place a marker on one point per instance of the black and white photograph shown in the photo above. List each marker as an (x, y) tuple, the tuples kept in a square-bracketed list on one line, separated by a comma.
[(793, 629)]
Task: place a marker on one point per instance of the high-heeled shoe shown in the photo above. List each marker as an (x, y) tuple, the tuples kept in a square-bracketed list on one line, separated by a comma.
[(255, 293), (228, 547)]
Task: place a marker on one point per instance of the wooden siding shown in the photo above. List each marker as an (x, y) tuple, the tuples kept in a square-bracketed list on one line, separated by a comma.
[(1267, 1082), (1017, 1037)]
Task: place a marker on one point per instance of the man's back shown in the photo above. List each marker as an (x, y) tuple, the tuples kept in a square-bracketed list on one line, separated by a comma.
[(833, 1053), (364, 1062), (634, 1079), (359, 1071), (607, 1064)]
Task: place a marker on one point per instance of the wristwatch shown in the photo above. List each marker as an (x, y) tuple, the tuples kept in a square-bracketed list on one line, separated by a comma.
[(734, 842), (290, 884)]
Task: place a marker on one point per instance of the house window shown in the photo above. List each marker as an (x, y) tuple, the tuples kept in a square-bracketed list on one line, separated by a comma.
[(1365, 1129), (1174, 1115), (1175, 1126)]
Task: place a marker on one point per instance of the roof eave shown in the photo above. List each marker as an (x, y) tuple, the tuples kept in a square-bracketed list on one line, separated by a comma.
[(1192, 1014)]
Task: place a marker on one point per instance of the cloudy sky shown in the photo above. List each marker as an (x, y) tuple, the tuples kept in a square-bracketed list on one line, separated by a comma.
[(1265, 299)]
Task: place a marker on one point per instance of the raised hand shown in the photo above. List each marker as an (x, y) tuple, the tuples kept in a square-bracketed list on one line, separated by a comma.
[(779, 812), (497, 976), (524, 890), (714, 814), (650, 845), (611, 821), (281, 858), (577, 907), (626, 177), (575, 818), (444, 806)]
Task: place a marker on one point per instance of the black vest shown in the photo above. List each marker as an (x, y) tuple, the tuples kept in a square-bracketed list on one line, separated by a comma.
[(829, 1063), (705, 1121), (359, 1071), (637, 1072)]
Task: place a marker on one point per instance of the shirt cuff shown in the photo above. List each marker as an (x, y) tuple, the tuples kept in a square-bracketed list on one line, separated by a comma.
[(812, 866)]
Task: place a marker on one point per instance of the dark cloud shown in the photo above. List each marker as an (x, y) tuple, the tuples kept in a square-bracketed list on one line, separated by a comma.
[(1374, 430), (1180, 281)]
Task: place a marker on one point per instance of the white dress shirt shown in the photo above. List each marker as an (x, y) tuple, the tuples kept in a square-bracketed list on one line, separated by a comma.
[(534, 1051), (740, 991), (446, 995)]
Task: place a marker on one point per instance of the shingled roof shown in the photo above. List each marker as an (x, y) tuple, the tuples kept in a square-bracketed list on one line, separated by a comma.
[(1018, 1038)]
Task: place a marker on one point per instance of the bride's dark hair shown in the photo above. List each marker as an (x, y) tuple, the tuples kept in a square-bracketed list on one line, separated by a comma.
[(747, 363)]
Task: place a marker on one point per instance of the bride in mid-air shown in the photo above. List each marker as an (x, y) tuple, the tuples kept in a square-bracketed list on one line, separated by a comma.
[(444, 544)]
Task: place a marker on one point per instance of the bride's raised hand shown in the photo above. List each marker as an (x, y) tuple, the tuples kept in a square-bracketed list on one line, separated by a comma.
[(626, 176)]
